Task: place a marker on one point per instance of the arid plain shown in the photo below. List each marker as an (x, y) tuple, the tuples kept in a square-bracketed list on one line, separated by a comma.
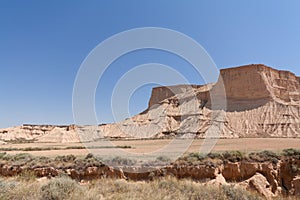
[(249, 119)]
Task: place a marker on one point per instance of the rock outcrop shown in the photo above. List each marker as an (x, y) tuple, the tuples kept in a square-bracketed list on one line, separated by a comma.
[(42, 133), (246, 101), (259, 183), (267, 178)]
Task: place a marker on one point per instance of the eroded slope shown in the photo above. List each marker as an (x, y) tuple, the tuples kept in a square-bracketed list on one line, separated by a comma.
[(246, 101)]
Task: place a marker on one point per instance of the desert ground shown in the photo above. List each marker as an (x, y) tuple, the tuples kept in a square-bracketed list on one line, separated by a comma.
[(147, 146)]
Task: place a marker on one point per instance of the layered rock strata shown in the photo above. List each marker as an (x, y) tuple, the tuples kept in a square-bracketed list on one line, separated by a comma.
[(246, 101)]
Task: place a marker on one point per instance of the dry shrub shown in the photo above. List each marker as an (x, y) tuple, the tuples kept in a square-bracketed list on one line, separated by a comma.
[(116, 189), (166, 188), (61, 188)]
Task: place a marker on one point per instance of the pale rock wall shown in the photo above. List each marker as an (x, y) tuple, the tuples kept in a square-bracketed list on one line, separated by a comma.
[(160, 93)]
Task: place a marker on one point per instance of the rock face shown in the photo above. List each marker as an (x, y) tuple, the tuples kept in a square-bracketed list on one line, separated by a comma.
[(246, 101), (42, 133), (259, 82), (259, 183)]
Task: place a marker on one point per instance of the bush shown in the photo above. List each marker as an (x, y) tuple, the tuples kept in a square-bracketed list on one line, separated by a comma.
[(264, 156), (198, 156), (163, 159), (292, 152), (214, 155), (233, 156), (124, 147), (233, 193), (2, 154), (26, 176), (162, 188), (122, 161), (24, 157), (6, 186), (89, 156), (67, 158), (62, 188)]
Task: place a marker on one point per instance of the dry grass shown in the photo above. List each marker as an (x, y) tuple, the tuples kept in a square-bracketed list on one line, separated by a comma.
[(166, 188)]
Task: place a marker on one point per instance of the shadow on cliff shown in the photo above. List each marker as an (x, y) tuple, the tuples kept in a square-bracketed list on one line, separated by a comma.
[(234, 105)]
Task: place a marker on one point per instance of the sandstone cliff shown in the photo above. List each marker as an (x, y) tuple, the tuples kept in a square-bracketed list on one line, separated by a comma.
[(246, 101)]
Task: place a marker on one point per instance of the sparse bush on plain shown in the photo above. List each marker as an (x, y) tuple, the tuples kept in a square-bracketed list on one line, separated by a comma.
[(214, 155), (233, 156), (292, 153), (198, 155), (264, 156), (60, 148), (124, 147), (121, 161), (18, 157), (20, 141), (66, 158), (163, 159), (89, 156)]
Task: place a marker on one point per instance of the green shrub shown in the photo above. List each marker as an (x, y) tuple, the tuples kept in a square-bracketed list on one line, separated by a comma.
[(214, 155), (264, 156), (198, 156), (233, 156), (292, 153)]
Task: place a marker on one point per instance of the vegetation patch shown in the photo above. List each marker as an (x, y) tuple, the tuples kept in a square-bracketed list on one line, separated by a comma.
[(264, 156), (64, 188), (295, 153), (60, 148), (20, 141)]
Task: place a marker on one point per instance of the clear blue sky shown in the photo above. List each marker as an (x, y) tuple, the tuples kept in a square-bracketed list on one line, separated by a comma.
[(43, 43)]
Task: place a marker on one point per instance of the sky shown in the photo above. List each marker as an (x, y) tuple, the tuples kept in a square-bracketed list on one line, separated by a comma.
[(43, 44)]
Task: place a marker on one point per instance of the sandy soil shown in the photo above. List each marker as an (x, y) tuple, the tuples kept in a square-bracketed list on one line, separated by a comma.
[(147, 146)]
